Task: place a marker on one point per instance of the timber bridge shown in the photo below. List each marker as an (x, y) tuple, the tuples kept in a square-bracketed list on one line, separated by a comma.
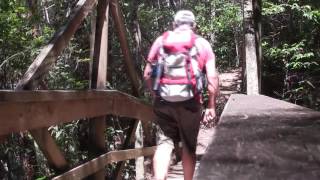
[(257, 137)]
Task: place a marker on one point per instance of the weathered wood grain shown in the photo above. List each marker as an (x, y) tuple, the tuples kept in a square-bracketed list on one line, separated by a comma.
[(100, 162), (98, 81), (27, 110), (50, 149), (263, 138)]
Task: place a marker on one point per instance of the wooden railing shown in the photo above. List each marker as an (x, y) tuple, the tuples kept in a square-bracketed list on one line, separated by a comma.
[(35, 111), (32, 110)]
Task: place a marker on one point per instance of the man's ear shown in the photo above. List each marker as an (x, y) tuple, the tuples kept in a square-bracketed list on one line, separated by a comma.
[(194, 26)]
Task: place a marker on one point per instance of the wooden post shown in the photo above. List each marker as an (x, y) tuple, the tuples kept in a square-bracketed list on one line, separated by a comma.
[(118, 20), (139, 160), (136, 84), (250, 50), (257, 5), (99, 79)]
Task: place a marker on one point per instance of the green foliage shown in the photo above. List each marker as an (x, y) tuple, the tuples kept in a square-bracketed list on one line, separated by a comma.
[(18, 42), (294, 57), (290, 46), (63, 77), (67, 138), (306, 11), (42, 178), (270, 8), (219, 22)]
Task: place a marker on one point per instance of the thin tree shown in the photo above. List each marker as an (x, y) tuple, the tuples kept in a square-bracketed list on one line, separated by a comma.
[(250, 49)]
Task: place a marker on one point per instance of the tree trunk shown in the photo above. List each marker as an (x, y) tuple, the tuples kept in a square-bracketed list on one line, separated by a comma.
[(212, 14), (257, 26), (173, 5), (92, 37), (250, 49), (137, 37), (139, 165)]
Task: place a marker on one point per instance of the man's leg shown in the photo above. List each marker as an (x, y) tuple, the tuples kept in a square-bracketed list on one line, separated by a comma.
[(188, 163), (189, 123), (162, 156), (161, 161)]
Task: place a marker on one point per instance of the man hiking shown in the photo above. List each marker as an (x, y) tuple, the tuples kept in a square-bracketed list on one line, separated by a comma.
[(174, 73)]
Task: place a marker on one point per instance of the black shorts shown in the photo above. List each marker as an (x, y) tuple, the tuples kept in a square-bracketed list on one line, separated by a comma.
[(179, 121)]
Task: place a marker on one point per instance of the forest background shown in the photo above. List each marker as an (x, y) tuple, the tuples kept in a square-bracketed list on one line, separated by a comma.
[(290, 67)]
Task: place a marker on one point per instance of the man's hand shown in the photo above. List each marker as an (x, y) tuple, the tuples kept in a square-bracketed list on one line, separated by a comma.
[(209, 117)]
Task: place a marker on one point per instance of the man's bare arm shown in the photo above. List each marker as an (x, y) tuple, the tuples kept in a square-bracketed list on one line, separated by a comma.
[(147, 77), (213, 90)]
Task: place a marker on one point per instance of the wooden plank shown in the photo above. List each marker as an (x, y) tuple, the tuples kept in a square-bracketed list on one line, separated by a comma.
[(121, 109), (21, 111), (97, 126), (50, 149), (47, 145), (2, 139), (49, 53), (8, 96), (100, 55), (96, 164), (263, 138), (120, 28), (139, 143)]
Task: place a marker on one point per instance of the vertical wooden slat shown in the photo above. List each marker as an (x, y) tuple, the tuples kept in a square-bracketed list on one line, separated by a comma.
[(100, 56), (139, 160), (99, 79)]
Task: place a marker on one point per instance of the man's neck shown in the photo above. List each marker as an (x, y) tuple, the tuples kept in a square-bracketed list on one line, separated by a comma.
[(184, 27)]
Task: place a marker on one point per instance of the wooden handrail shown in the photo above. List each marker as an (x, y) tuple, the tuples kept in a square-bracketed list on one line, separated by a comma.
[(26, 110), (36, 110), (98, 163)]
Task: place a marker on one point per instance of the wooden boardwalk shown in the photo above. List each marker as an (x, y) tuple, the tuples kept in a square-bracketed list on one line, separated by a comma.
[(263, 138), (229, 84)]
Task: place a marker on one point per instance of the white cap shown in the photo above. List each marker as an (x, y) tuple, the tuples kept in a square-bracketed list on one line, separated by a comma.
[(184, 16)]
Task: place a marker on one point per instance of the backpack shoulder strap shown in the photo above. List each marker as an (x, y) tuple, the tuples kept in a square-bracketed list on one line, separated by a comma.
[(165, 36), (194, 51), (193, 38)]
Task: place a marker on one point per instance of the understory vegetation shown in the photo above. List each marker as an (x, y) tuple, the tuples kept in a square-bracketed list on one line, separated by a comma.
[(290, 65)]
